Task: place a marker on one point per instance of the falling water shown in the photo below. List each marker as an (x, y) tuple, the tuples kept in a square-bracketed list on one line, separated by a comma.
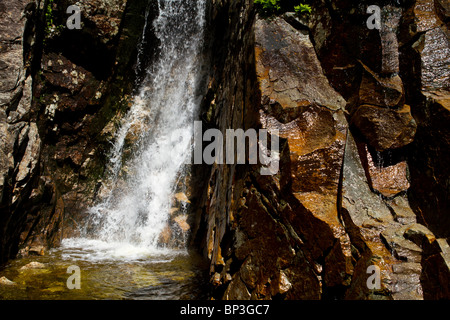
[(135, 208)]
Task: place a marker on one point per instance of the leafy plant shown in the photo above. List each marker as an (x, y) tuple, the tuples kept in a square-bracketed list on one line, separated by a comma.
[(302, 9), (268, 7), (51, 27), (49, 15)]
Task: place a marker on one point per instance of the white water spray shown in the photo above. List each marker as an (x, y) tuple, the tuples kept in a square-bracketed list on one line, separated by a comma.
[(135, 210)]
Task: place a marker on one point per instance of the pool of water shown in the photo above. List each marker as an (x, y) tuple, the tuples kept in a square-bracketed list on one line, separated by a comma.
[(107, 271)]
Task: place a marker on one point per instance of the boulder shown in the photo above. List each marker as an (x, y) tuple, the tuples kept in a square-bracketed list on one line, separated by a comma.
[(33, 265), (6, 282), (381, 91), (388, 179), (289, 72), (385, 128)]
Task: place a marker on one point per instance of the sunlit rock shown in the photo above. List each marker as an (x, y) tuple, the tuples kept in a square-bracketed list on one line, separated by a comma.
[(33, 265), (6, 282)]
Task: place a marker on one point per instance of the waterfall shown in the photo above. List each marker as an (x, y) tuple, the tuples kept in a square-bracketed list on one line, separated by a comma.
[(139, 191)]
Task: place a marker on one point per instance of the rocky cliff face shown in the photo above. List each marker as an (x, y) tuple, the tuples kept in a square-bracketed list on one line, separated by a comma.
[(362, 117), (61, 93), (344, 100)]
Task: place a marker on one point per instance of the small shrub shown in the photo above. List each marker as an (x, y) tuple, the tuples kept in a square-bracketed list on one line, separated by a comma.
[(302, 9), (268, 7), (49, 16)]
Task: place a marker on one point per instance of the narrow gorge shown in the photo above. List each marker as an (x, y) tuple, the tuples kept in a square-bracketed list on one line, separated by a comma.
[(97, 133)]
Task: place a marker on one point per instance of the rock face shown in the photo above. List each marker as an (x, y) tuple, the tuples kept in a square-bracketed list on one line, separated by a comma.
[(60, 91), (428, 53), (385, 128), (20, 138), (362, 117), (339, 204)]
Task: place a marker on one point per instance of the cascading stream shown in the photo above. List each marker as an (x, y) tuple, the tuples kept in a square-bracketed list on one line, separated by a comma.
[(135, 208)]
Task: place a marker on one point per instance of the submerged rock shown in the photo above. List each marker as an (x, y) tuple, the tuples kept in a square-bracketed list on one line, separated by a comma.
[(33, 265), (6, 282)]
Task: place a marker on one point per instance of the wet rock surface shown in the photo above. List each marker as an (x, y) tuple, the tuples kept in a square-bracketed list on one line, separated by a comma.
[(59, 90), (20, 138), (340, 202), (385, 128), (362, 116)]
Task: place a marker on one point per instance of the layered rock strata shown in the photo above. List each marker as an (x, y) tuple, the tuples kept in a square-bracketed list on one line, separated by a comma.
[(339, 203)]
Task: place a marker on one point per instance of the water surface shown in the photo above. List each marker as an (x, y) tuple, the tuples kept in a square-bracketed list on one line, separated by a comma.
[(107, 271)]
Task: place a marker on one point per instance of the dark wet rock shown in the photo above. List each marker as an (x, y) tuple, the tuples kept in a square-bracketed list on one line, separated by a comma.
[(385, 128), (443, 10), (436, 264), (237, 290), (59, 90), (19, 136), (433, 48), (407, 285), (30, 159), (388, 179), (381, 91), (426, 64), (275, 213), (327, 213), (362, 206), (390, 17), (401, 209)]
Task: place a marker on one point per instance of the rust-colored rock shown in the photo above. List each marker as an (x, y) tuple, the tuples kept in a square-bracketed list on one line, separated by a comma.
[(387, 179), (6, 282), (289, 71), (181, 221), (165, 236), (381, 91), (385, 128)]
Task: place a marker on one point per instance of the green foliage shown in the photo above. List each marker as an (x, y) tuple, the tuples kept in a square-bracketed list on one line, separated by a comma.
[(302, 9), (48, 16), (268, 7), (51, 28)]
